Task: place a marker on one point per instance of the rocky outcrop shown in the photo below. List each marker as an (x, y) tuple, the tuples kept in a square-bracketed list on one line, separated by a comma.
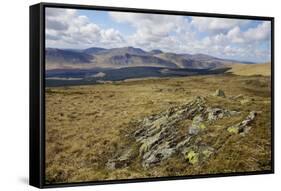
[(158, 137), (157, 134)]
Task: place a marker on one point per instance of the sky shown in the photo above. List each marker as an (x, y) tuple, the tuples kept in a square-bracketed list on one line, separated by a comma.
[(239, 39)]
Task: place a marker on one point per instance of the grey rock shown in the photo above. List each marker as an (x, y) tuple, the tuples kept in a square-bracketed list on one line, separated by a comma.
[(160, 153), (218, 113), (197, 125)]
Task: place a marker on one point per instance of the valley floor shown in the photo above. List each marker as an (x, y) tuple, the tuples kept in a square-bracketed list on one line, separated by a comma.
[(89, 128)]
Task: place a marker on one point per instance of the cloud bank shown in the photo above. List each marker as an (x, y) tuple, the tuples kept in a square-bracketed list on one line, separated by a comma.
[(239, 39)]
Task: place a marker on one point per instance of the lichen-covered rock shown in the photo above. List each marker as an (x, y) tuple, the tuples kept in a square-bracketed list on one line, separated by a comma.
[(148, 142), (153, 156), (197, 125), (184, 143), (192, 157), (157, 134), (196, 154), (233, 129), (218, 113), (207, 152), (243, 127)]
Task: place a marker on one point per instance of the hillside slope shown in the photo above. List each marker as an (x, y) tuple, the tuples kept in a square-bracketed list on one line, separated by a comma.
[(251, 69)]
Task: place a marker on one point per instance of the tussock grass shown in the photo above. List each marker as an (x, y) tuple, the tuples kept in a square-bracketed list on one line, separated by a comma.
[(88, 125)]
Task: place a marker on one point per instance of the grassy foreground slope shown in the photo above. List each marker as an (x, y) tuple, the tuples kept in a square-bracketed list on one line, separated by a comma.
[(87, 126)]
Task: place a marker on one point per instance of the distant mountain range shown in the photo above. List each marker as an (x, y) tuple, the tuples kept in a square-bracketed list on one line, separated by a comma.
[(124, 57)]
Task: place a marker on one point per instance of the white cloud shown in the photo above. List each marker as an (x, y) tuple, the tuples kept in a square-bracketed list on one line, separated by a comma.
[(64, 27), (235, 35), (257, 34), (150, 28), (215, 25), (261, 32), (149, 24)]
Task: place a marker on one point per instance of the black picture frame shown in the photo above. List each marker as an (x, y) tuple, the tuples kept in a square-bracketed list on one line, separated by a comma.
[(37, 93)]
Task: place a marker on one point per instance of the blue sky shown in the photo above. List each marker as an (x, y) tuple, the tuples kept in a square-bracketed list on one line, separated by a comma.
[(247, 40)]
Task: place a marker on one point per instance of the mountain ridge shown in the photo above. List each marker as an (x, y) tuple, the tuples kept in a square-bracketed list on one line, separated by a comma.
[(97, 57)]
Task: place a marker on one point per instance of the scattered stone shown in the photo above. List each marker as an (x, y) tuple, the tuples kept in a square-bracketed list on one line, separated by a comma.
[(219, 93)]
